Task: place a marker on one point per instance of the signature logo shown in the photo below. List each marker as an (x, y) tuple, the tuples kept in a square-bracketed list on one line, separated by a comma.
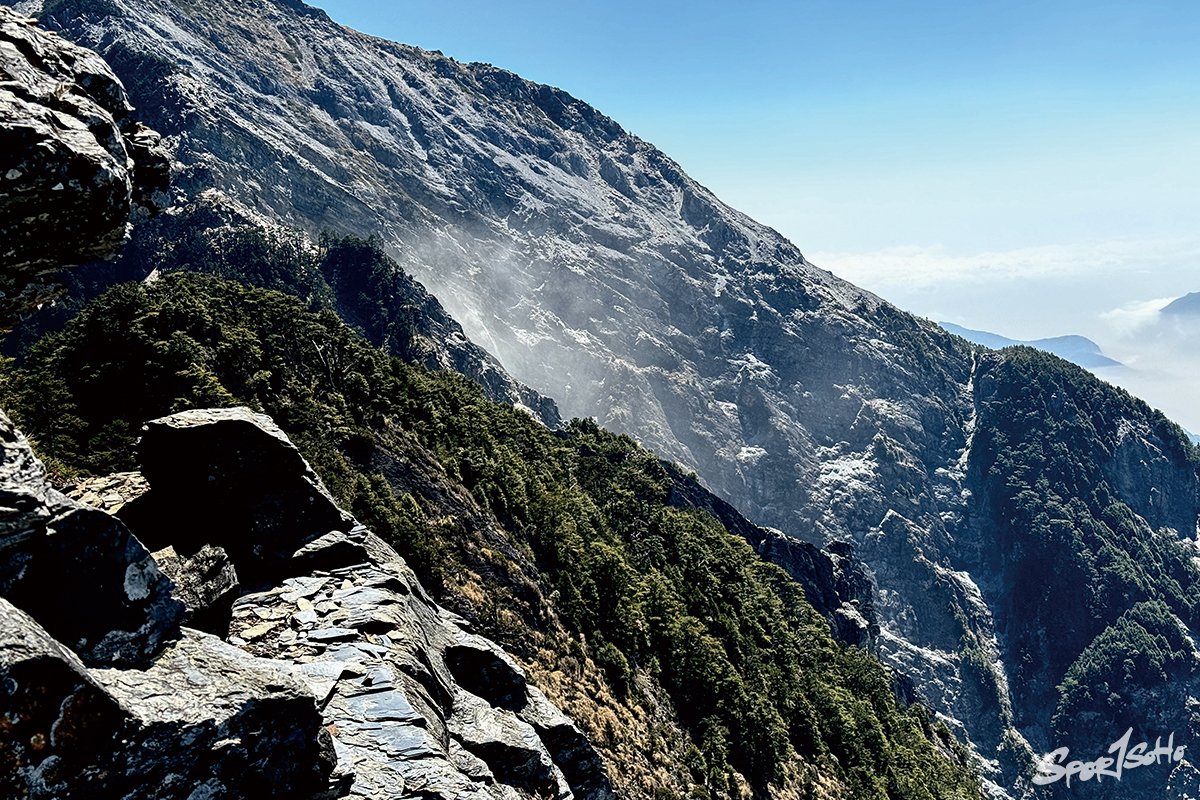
[(1054, 766)]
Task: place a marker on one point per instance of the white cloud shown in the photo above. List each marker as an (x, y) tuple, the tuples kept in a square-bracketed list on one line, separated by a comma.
[(1111, 291), (1135, 316), (917, 266)]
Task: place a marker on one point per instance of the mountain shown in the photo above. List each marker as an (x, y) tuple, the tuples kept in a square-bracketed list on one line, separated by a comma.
[(214, 234), (1027, 529), (1076, 349), (229, 630), (1186, 306), (603, 572)]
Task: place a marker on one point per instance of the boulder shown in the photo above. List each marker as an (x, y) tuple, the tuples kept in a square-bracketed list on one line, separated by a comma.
[(73, 165), (57, 724), (334, 549), (508, 745), (206, 584), (244, 486), (79, 572)]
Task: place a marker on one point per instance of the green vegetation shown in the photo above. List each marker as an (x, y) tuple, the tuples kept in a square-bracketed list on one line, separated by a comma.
[(649, 592), (1054, 447), (346, 274), (1144, 650)]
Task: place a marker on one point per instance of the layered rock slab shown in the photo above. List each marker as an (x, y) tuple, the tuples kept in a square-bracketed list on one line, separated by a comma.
[(415, 703)]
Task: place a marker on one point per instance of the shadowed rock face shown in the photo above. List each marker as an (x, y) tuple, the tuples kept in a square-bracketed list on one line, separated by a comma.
[(73, 164), (79, 572), (58, 719), (411, 697), (104, 695), (248, 491), (339, 677)]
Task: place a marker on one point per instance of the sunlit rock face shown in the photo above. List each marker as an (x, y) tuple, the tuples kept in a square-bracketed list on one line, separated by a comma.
[(601, 275)]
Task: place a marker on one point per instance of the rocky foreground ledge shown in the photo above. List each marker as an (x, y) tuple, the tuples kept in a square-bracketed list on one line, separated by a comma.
[(270, 646)]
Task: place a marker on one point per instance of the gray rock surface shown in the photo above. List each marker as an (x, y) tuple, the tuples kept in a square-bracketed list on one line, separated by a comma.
[(73, 165), (209, 718), (206, 584), (76, 570), (416, 706), (58, 723)]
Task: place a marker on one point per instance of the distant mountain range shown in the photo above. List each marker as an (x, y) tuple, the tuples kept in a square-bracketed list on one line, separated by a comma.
[(1076, 349), (1188, 305)]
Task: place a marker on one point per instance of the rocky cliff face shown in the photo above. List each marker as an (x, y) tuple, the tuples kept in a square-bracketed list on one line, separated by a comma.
[(332, 674), (603, 276), (73, 162)]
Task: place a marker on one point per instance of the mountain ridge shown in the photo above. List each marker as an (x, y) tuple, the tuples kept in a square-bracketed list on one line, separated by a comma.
[(1186, 305), (600, 275), (1072, 347)]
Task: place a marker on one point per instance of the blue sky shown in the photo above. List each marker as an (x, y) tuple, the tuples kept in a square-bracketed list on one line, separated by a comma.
[(1029, 168)]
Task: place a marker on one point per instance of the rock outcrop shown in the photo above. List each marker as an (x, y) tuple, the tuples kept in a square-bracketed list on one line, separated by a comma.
[(411, 698), (56, 740), (104, 694), (74, 164), (338, 677), (76, 570)]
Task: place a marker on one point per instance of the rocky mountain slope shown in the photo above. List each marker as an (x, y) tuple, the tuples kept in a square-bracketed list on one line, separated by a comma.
[(979, 489), (625, 589), (353, 277)]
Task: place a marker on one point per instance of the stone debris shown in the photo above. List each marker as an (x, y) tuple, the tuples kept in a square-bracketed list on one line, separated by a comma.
[(109, 493)]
